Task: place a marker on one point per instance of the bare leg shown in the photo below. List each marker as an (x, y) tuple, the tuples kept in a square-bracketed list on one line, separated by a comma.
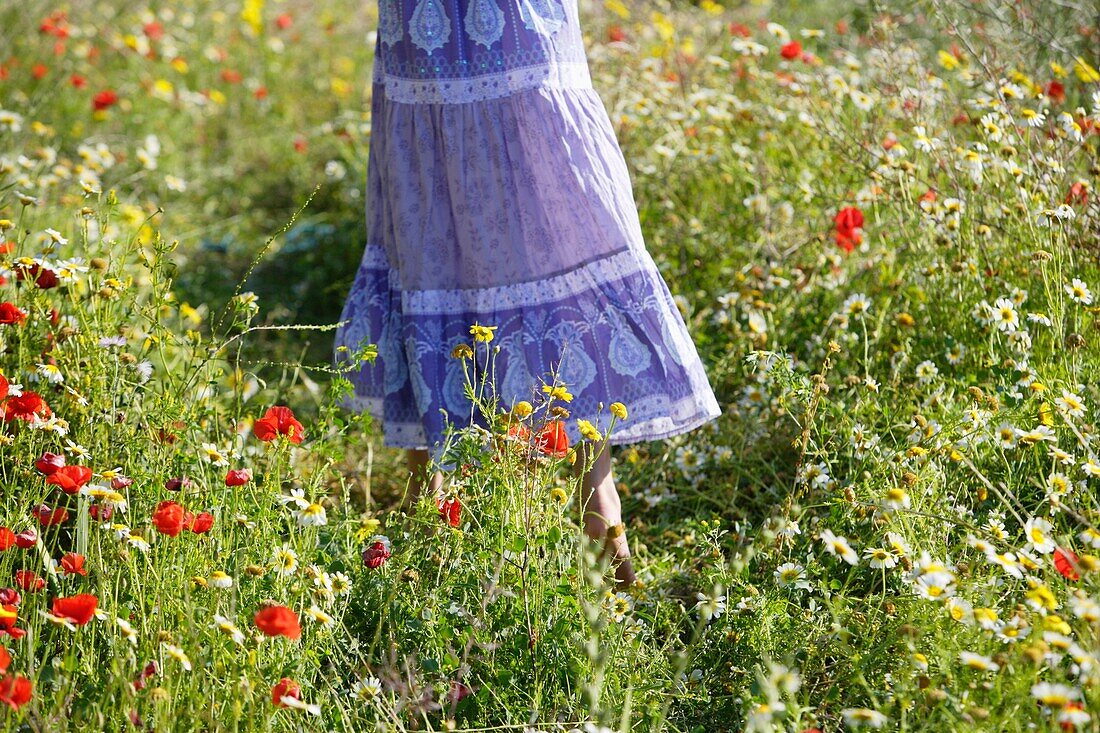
[(418, 466), (603, 510)]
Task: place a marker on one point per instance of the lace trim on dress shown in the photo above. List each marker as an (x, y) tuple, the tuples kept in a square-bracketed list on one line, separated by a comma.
[(563, 75)]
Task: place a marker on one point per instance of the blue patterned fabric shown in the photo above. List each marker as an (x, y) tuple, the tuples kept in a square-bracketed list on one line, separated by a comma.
[(505, 200), (466, 50)]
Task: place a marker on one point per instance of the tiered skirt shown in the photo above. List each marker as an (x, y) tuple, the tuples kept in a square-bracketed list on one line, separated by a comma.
[(515, 212)]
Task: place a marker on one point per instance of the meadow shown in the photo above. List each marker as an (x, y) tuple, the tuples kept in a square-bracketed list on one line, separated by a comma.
[(881, 222)]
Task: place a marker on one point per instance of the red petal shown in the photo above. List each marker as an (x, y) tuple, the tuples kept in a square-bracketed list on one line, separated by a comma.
[(1065, 562)]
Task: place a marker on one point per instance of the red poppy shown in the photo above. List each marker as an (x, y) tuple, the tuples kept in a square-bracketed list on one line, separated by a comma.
[(849, 228), (791, 51), (1056, 91), (70, 478), (1078, 193), (616, 33), (78, 81), (169, 518), (48, 517), (9, 597), (375, 555), (104, 99), (120, 482), (25, 407), (15, 690), (44, 278), (7, 539), (9, 615), (199, 523), (520, 431), (1065, 562), (79, 609), (285, 687), (238, 477), (283, 20), (27, 539), (39, 70), (101, 512), (739, 29), (73, 564), (29, 581), (278, 621), (552, 440), (3, 388), (10, 315), (5, 660), (175, 484), (48, 462), (153, 30), (449, 510), (849, 218), (278, 420), (147, 671)]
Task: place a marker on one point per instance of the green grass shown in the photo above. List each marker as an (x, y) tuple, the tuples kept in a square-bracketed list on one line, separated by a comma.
[(740, 165)]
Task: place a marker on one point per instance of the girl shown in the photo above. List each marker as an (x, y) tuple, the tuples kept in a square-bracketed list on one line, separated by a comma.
[(497, 194)]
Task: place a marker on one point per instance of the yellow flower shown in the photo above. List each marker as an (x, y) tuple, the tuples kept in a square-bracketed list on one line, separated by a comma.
[(1041, 596), (1089, 563), (588, 430), (253, 14), (522, 409), (618, 8), (559, 496), (1056, 623), (368, 527), (618, 409), (947, 60), (557, 392), (1084, 72), (483, 334), (462, 351)]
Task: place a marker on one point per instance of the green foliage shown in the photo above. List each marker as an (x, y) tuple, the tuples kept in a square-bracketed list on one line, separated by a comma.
[(866, 537)]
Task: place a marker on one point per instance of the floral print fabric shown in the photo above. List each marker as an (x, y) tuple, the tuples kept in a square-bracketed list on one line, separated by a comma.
[(514, 210)]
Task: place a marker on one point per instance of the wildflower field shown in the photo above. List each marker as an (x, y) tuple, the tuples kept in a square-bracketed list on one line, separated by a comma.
[(881, 222)]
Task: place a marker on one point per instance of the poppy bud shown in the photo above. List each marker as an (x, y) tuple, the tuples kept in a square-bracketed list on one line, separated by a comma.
[(178, 483), (48, 462), (48, 517), (375, 555), (27, 538), (101, 512), (238, 477)]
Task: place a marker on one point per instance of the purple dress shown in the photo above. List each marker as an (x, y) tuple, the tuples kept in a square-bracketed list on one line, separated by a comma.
[(497, 193)]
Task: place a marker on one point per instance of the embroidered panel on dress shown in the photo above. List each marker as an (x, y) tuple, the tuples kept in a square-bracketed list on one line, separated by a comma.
[(453, 51)]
